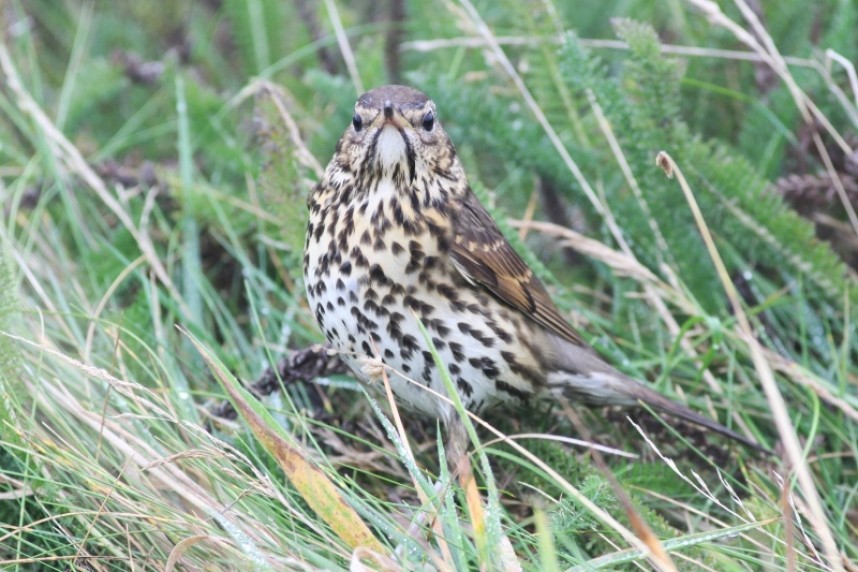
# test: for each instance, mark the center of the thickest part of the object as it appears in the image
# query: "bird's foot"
(372, 367)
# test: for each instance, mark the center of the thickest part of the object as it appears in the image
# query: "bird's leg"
(460, 466)
(457, 449)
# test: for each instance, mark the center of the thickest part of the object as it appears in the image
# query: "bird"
(396, 236)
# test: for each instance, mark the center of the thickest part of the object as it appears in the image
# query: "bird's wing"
(484, 257)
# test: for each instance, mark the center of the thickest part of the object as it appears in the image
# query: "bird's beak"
(390, 115)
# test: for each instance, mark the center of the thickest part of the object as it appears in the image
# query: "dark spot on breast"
(408, 346)
(323, 266)
(349, 222)
(456, 348)
(478, 335)
(438, 325)
(410, 228)
(464, 387)
(499, 332)
(434, 229)
(359, 258)
(364, 323)
(490, 370)
(421, 307)
(530, 374)
(377, 275)
(448, 292)
(511, 390)
(393, 327)
(478, 309)
(415, 249)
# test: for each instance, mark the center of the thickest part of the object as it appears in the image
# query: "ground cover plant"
(682, 175)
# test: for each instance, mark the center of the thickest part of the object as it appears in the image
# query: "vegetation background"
(154, 163)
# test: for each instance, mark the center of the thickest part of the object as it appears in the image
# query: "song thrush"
(396, 235)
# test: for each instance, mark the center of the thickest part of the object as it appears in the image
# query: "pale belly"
(371, 308)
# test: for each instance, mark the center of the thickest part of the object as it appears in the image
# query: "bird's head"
(395, 134)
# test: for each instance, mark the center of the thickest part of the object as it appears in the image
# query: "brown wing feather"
(483, 256)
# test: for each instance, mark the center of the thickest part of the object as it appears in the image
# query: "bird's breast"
(374, 269)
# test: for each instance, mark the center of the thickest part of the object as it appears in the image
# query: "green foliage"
(282, 182)
(10, 382)
(570, 518)
(257, 31)
(103, 449)
(733, 197)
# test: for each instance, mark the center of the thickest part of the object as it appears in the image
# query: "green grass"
(154, 164)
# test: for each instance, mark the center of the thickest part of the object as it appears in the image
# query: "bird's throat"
(391, 148)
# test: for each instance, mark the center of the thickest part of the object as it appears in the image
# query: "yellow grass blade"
(308, 479)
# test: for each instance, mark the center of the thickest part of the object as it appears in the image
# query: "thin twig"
(392, 40)
(345, 47)
(690, 51)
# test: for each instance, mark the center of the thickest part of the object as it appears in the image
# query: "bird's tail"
(643, 394)
(608, 386)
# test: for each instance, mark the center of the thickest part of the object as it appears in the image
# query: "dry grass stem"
(767, 380)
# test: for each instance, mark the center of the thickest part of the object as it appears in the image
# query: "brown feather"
(482, 255)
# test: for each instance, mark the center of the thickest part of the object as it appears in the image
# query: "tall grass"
(154, 162)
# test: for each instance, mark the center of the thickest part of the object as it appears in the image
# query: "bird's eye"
(357, 121)
(428, 121)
